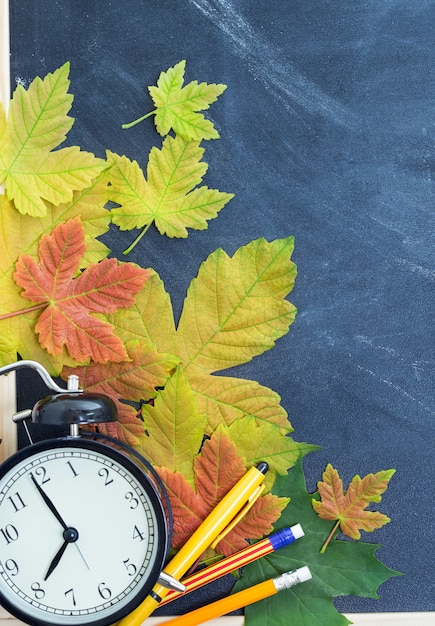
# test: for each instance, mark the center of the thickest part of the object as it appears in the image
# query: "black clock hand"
(70, 535)
(49, 503)
(58, 516)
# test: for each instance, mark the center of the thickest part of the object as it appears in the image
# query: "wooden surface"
(8, 431)
(369, 619)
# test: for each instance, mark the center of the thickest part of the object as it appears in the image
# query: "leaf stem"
(136, 241)
(330, 536)
(6, 316)
(140, 119)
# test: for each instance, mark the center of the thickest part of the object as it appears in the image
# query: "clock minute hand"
(49, 503)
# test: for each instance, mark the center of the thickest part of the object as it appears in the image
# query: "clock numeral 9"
(10, 533)
(104, 591)
(12, 567)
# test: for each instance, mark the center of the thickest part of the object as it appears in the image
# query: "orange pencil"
(242, 598)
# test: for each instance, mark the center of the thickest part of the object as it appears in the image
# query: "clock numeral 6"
(10, 533)
(104, 591)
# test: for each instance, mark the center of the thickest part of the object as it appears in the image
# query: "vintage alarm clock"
(83, 530)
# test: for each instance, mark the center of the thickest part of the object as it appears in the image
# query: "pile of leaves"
(68, 305)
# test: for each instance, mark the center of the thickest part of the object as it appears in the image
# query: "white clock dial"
(82, 534)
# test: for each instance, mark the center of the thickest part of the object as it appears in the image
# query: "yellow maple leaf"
(38, 121)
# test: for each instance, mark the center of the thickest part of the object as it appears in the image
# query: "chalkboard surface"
(327, 134)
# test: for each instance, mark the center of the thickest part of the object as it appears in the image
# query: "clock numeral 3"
(10, 533)
(134, 502)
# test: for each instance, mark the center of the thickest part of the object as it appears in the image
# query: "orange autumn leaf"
(67, 301)
(349, 508)
(217, 469)
(135, 379)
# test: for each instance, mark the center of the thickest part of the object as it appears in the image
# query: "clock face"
(82, 534)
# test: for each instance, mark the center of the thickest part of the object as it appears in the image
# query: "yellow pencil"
(242, 598)
(240, 497)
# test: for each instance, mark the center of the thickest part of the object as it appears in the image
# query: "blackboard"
(326, 134)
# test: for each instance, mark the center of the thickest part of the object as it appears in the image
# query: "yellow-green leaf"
(174, 427)
(177, 106)
(265, 443)
(38, 122)
(236, 309)
(223, 400)
(150, 318)
(168, 198)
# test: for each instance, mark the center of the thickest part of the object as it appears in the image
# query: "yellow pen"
(242, 598)
(242, 494)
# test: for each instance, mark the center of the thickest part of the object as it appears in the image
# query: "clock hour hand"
(70, 535)
(48, 502)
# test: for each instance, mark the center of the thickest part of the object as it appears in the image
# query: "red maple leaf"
(67, 319)
(217, 469)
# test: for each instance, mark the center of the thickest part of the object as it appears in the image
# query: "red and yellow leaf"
(349, 509)
(217, 469)
(68, 302)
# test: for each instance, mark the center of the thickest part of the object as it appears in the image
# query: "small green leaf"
(177, 106)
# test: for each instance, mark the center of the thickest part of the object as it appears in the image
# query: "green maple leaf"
(170, 197)
(347, 567)
(177, 106)
(32, 171)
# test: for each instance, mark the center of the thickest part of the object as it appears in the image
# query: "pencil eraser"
(297, 531)
(304, 574)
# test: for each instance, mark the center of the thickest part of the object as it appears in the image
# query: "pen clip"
(250, 503)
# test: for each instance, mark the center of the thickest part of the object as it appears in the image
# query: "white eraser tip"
(304, 574)
(297, 531)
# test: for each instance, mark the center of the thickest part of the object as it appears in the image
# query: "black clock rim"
(143, 588)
